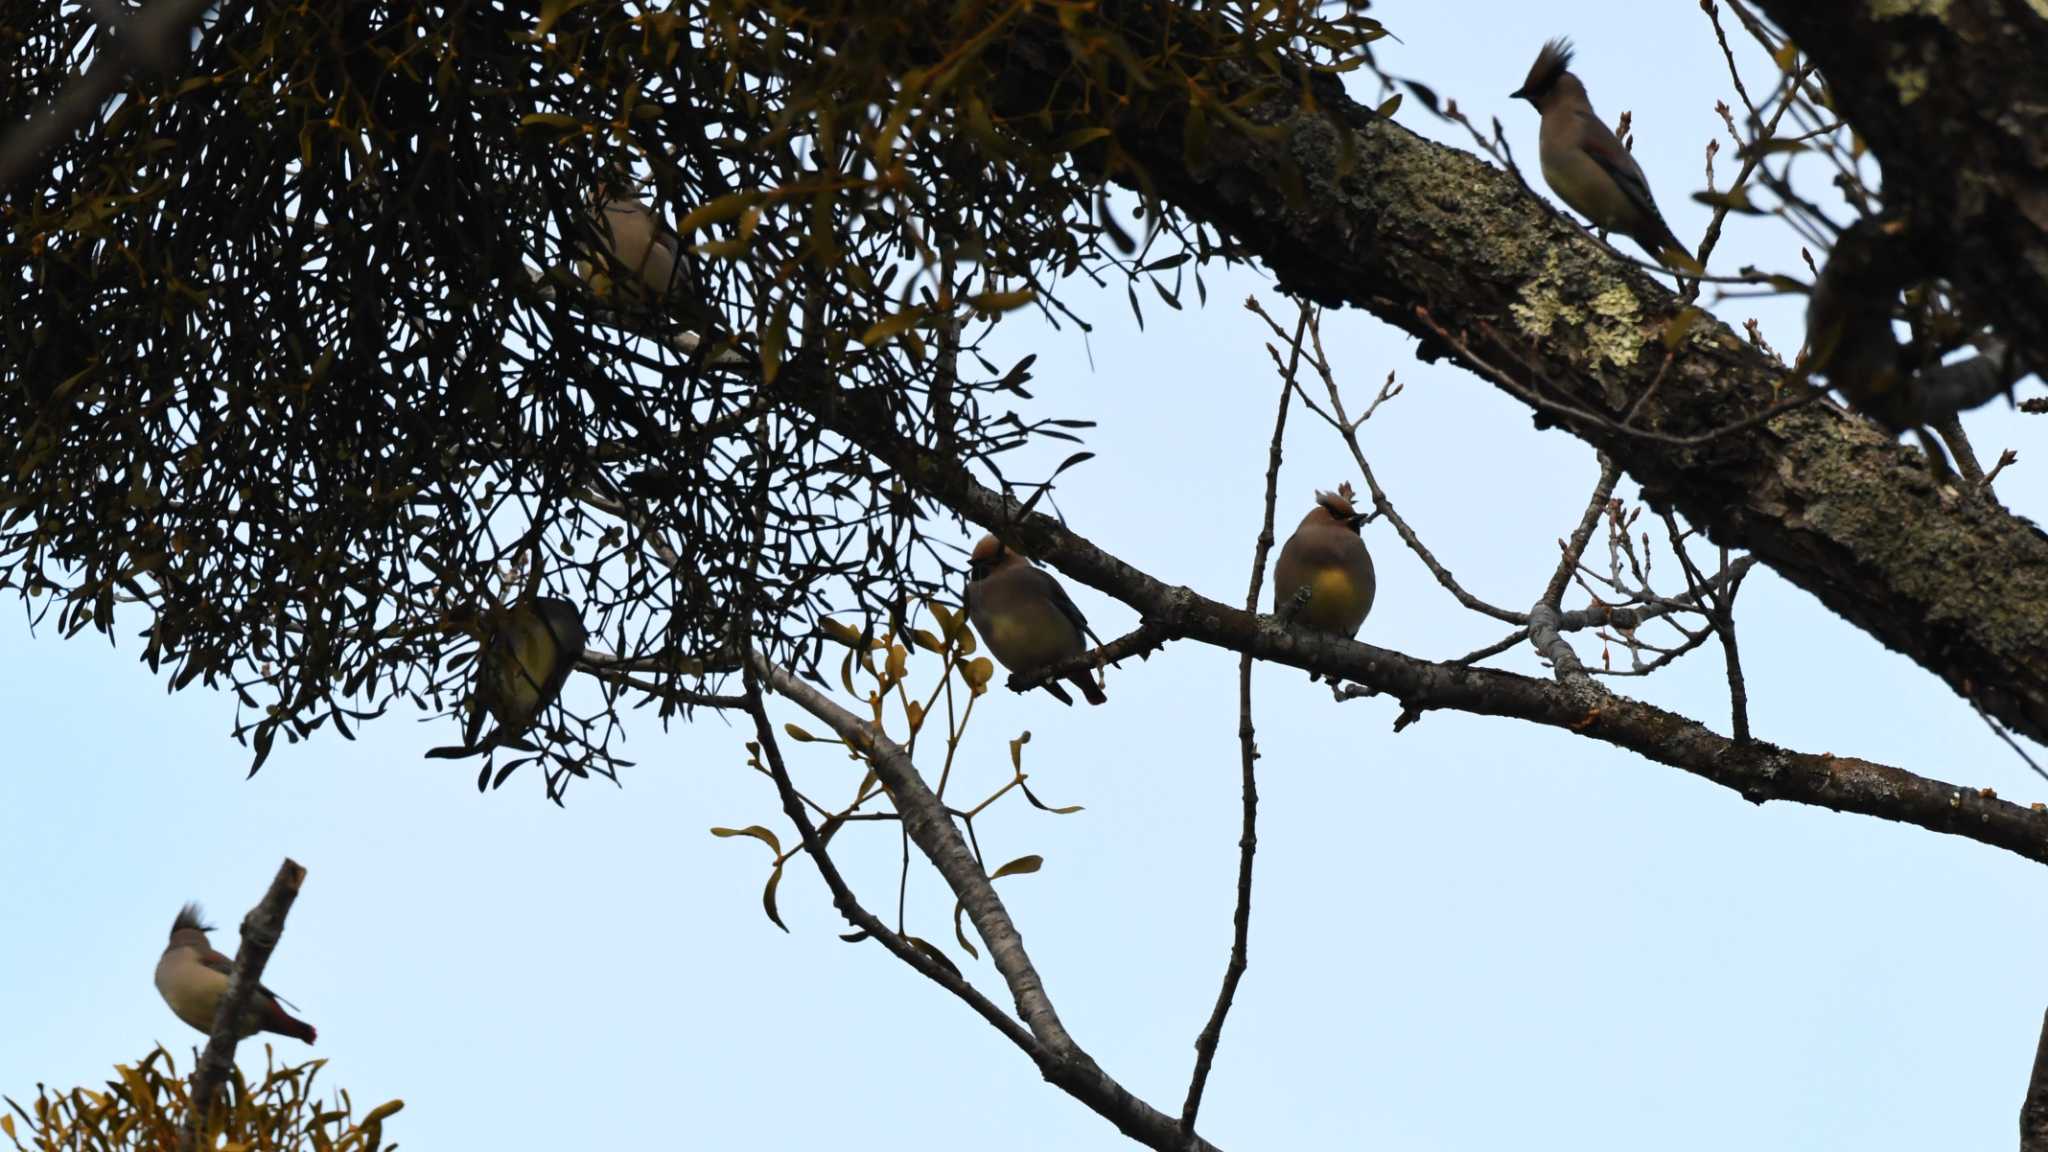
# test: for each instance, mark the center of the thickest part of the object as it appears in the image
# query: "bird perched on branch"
(1025, 617)
(636, 241)
(529, 653)
(192, 977)
(1587, 165)
(1323, 580)
(1851, 341)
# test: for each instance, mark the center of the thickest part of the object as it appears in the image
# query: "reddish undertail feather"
(1088, 687)
(285, 1024)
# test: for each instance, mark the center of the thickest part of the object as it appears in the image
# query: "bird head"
(189, 928)
(988, 552)
(1337, 505)
(1552, 65)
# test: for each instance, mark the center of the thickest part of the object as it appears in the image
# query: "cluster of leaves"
(877, 671)
(145, 1108)
(297, 359)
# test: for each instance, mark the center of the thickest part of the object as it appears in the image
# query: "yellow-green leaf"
(1018, 867)
(997, 303)
(959, 931)
(892, 326)
(756, 831)
(383, 1111)
(1017, 751)
(723, 208)
(937, 957)
(768, 898)
(797, 734)
(978, 672)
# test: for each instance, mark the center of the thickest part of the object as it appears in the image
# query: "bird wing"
(1601, 144)
(226, 967)
(1057, 593)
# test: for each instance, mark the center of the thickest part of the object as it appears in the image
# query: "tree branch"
(1757, 770)
(1248, 755)
(1347, 207)
(1060, 1059)
(2034, 1111)
(261, 929)
(1953, 102)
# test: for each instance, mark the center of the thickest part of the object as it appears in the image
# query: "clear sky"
(1474, 935)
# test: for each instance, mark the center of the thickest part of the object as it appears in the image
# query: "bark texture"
(1952, 99)
(1349, 208)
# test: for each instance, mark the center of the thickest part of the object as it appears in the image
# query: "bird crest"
(1551, 63)
(1339, 503)
(189, 918)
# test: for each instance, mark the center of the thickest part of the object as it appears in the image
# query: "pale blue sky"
(1474, 935)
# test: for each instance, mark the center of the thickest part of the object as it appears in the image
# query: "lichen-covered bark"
(1952, 98)
(1347, 208)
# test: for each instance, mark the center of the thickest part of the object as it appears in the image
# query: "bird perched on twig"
(1587, 165)
(635, 240)
(192, 978)
(531, 649)
(1025, 617)
(1851, 341)
(1323, 580)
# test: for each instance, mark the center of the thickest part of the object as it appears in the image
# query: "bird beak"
(1519, 94)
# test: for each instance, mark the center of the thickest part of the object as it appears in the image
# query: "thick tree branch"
(1759, 771)
(1381, 219)
(1953, 101)
(1060, 1059)
(261, 929)
(2034, 1110)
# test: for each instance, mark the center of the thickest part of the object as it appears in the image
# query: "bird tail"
(285, 1024)
(1089, 688)
(1667, 249)
(1059, 694)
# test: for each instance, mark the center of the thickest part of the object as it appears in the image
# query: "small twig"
(1382, 505)
(1248, 754)
(1949, 426)
(1148, 637)
(1603, 491)
(1999, 731)
(261, 929)
(149, 42)
(2004, 458)
(1596, 420)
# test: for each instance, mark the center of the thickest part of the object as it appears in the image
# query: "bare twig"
(1248, 755)
(1603, 491)
(260, 931)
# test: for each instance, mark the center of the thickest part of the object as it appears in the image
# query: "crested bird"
(1025, 617)
(636, 240)
(529, 653)
(1587, 165)
(192, 977)
(1325, 561)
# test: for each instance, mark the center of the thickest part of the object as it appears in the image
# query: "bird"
(191, 977)
(529, 653)
(1587, 166)
(635, 239)
(1326, 560)
(1849, 336)
(1025, 617)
